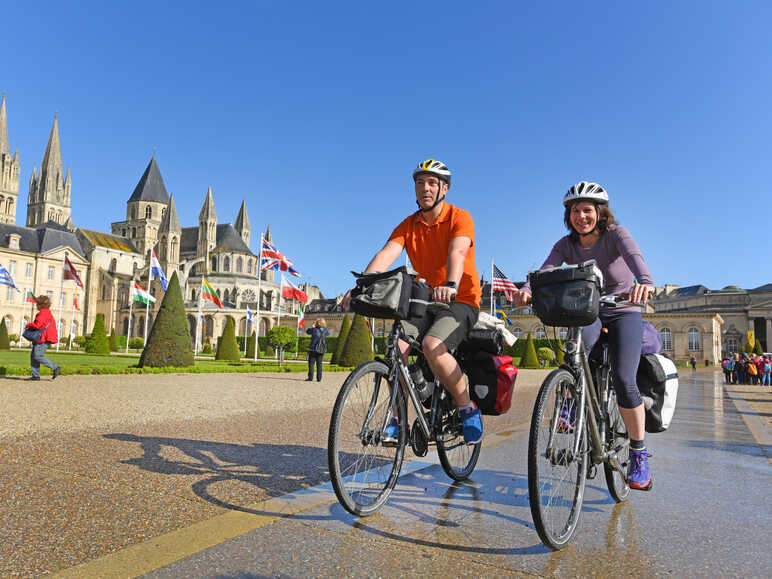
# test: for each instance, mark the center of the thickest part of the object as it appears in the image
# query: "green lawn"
(16, 363)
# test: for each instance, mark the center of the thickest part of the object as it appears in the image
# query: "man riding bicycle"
(439, 240)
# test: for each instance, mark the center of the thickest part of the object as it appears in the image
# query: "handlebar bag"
(491, 381)
(657, 380)
(384, 295)
(567, 296)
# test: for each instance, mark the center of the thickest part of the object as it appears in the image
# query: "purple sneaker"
(638, 473)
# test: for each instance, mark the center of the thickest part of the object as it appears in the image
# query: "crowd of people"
(747, 369)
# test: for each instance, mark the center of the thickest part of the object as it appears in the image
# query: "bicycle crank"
(418, 441)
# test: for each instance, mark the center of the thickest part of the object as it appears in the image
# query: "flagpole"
(72, 319)
(278, 302)
(259, 280)
(131, 308)
(59, 316)
(491, 286)
(149, 280)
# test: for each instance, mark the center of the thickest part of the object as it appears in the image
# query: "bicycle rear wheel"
(556, 476)
(618, 442)
(363, 470)
(458, 459)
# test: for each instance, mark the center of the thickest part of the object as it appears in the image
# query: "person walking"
(727, 370)
(766, 371)
(316, 349)
(693, 363)
(44, 320)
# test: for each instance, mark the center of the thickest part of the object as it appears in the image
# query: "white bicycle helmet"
(434, 167)
(586, 190)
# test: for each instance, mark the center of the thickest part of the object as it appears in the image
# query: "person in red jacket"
(44, 320)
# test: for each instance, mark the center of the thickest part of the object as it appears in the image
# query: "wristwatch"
(451, 284)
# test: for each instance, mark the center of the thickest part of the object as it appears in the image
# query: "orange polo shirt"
(427, 247)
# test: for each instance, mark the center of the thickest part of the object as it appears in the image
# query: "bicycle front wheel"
(457, 458)
(617, 442)
(556, 473)
(363, 469)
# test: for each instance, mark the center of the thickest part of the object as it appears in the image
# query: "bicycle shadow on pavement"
(276, 470)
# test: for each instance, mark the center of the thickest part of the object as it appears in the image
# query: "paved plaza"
(226, 476)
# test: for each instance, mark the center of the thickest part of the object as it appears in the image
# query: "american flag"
(274, 259)
(503, 284)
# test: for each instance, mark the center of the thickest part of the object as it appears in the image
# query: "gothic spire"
(151, 185)
(5, 146)
(242, 220)
(207, 211)
(170, 222)
(268, 237)
(52, 159)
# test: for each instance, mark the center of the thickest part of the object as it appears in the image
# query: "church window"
(249, 266)
(214, 263)
(667, 339)
(239, 265)
(148, 212)
(113, 264)
(123, 232)
(134, 232)
(226, 265)
(173, 248)
(126, 327)
(226, 296)
(193, 295)
(163, 248)
(694, 339)
(133, 213)
(104, 292)
(50, 272)
(28, 271)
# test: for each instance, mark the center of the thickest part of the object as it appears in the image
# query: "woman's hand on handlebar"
(522, 298)
(640, 293)
(444, 294)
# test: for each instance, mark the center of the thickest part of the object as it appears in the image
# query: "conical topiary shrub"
(757, 349)
(345, 327)
(169, 341)
(97, 342)
(113, 341)
(228, 348)
(529, 357)
(359, 347)
(5, 341)
(251, 341)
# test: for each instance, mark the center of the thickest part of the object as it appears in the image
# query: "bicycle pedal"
(592, 471)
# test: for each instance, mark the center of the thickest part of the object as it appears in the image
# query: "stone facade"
(10, 170)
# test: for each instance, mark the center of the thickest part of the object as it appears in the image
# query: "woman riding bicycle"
(595, 235)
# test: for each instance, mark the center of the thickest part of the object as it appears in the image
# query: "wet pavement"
(708, 515)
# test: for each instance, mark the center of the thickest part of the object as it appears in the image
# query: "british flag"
(272, 258)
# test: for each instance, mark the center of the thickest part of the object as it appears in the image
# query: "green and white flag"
(140, 295)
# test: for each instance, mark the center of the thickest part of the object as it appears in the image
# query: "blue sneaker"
(638, 473)
(391, 433)
(471, 422)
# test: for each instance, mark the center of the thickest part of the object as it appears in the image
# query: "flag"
(501, 283)
(30, 297)
(274, 259)
(75, 302)
(140, 295)
(6, 279)
(156, 271)
(209, 293)
(249, 315)
(292, 292)
(301, 317)
(71, 273)
(502, 315)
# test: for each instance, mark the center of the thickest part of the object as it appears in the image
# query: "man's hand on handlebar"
(444, 294)
(522, 298)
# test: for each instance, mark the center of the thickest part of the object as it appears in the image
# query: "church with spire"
(10, 171)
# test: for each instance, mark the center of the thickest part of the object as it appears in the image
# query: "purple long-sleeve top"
(617, 255)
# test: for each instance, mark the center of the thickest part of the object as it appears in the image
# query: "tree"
(251, 342)
(747, 348)
(280, 337)
(345, 327)
(5, 341)
(169, 341)
(757, 349)
(97, 342)
(358, 346)
(530, 360)
(113, 341)
(228, 349)
(137, 343)
(545, 355)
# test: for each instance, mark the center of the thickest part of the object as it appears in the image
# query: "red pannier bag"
(491, 381)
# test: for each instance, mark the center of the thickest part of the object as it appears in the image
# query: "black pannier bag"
(490, 341)
(491, 381)
(389, 295)
(567, 296)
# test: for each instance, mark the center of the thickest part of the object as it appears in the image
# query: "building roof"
(109, 241)
(170, 221)
(763, 288)
(228, 239)
(151, 186)
(42, 239)
(688, 291)
(322, 306)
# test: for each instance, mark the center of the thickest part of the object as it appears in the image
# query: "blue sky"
(316, 113)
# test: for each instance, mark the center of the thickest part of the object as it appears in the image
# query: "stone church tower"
(9, 172)
(145, 210)
(49, 191)
(242, 223)
(207, 228)
(169, 238)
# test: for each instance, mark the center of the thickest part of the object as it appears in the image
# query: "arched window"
(249, 266)
(226, 296)
(540, 333)
(113, 264)
(126, 327)
(214, 263)
(133, 213)
(239, 265)
(173, 249)
(104, 292)
(694, 339)
(134, 232)
(517, 332)
(193, 295)
(667, 339)
(226, 264)
(148, 212)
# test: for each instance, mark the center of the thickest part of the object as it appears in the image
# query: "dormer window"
(13, 241)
